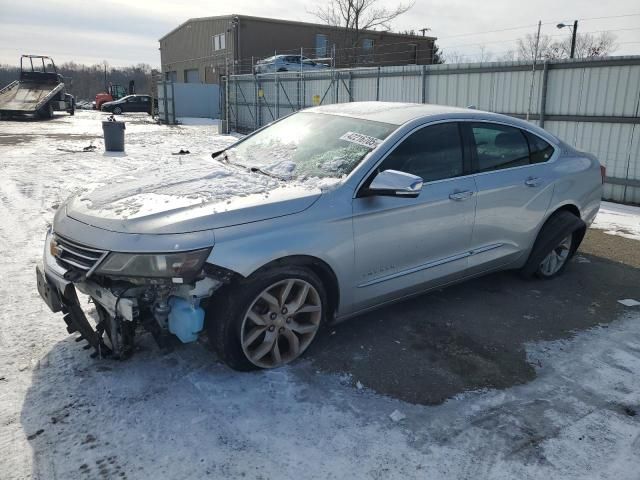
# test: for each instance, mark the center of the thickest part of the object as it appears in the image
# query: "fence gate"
(166, 104)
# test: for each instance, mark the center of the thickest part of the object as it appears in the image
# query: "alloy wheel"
(556, 258)
(281, 322)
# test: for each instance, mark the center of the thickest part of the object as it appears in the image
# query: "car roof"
(389, 112)
(398, 113)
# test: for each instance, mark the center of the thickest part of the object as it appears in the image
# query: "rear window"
(499, 146)
(539, 149)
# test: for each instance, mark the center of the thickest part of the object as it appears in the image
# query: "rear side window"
(540, 150)
(499, 146)
(432, 153)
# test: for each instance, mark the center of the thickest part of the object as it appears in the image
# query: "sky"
(126, 32)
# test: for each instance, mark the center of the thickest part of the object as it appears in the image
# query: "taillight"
(603, 173)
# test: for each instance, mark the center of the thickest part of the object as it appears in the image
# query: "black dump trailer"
(40, 91)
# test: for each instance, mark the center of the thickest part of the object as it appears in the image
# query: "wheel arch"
(581, 230)
(569, 207)
(574, 210)
(318, 266)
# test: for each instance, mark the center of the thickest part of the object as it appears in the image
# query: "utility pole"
(573, 38)
(424, 31)
(533, 69)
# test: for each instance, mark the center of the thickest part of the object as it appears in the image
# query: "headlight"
(179, 264)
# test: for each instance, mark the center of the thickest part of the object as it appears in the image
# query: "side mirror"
(395, 184)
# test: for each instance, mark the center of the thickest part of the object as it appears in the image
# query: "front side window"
(310, 145)
(499, 146)
(432, 153)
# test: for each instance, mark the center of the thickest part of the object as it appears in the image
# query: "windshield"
(310, 145)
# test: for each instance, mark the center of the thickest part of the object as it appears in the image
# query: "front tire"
(117, 110)
(268, 319)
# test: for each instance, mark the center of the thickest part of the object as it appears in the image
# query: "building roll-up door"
(192, 76)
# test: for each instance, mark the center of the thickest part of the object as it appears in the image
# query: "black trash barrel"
(113, 136)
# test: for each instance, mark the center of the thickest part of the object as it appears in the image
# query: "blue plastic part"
(185, 319)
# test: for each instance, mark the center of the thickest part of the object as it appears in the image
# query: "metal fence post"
(423, 79)
(255, 98)
(350, 86)
(173, 104)
(166, 103)
(378, 85)
(337, 86)
(304, 91)
(543, 93)
(225, 126)
(259, 103)
(235, 105)
(277, 79)
(629, 151)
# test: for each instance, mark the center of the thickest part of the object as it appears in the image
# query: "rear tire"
(557, 242)
(248, 332)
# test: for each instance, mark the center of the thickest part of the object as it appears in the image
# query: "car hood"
(192, 199)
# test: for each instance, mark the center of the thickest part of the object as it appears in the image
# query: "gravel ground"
(612, 247)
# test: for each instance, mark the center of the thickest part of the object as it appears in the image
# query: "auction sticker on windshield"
(361, 139)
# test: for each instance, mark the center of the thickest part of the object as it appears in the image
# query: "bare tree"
(453, 56)
(358, 15)
(508, 56)
(547, 48)
(484, 55)
(436, 55)
(587, 45)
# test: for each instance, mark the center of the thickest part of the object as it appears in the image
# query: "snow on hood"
(196, 197)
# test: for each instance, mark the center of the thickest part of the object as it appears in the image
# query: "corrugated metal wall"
(591, 104)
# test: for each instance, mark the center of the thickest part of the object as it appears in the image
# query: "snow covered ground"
(615, 219)
(183, 415)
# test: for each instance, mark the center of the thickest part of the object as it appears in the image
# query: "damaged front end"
(163, 293)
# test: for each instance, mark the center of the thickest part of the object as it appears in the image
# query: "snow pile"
(616, 219)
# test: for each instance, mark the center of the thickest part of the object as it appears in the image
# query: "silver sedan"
(320, 216)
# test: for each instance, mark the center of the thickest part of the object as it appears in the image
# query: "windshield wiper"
(264, 172)
(217, 153)
(226, 161)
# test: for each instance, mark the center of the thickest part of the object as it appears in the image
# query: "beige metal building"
(201, 50)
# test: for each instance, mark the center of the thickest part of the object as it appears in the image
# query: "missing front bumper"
(66, 301)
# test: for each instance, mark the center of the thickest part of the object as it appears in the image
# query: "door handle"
(459, 196)
(533, 181)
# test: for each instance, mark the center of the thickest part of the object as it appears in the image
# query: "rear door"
(139, 104)
(404, 245)
(145, 104)
(514, 191)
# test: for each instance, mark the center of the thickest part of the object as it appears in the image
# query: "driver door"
(405, 245)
